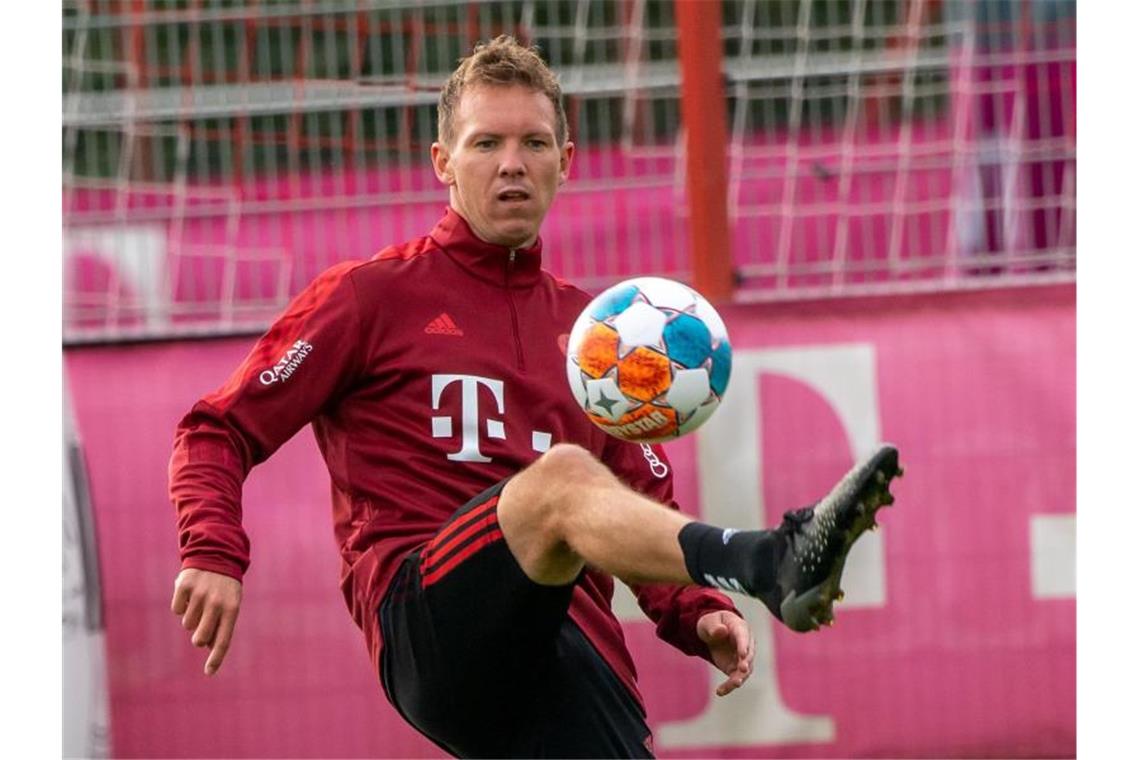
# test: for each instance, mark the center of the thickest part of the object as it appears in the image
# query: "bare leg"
(568, 510)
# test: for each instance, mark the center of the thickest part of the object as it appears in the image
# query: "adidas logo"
(443, 325)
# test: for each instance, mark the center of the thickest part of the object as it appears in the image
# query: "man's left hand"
(730, 642)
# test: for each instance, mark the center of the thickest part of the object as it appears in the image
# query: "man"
(481, 517)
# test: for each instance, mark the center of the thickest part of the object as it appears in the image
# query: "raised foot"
(813, 568)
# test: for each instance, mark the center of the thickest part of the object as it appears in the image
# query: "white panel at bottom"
(1053, 555)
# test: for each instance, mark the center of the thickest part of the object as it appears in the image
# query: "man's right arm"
(207, 469)
(309, 355)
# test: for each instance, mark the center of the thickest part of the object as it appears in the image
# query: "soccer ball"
(648, 360)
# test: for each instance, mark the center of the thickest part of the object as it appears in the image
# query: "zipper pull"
(510, 267)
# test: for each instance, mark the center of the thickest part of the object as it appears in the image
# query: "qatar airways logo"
(287, 364)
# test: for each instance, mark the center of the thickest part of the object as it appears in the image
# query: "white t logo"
(441, 427)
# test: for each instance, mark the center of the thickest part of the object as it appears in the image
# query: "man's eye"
(538, 144)
(483, 144)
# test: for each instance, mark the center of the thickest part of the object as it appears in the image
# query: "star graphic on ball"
(605, 402)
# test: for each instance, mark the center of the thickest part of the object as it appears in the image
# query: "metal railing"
(217, 156)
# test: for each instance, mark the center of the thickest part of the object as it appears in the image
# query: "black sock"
(743, 561)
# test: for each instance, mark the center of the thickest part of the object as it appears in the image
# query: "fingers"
(736, 678)
(731, 646)
(221, 641)
(193, 613)
(204, 633)
(741, 637)
(734, 681)
(181, 597)
(208, 603)
(745, 646)
(214, 630)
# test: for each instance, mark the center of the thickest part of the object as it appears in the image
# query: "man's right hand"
(208, 603)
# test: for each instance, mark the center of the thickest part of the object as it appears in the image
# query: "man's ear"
(565, 158)
(441, 162)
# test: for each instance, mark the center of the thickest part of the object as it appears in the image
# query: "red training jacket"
(429, 373)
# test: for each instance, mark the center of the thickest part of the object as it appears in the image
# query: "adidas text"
(443, 325)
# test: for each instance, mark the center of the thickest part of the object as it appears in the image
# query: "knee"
(550, 488)
(567, 465)
(540, 507)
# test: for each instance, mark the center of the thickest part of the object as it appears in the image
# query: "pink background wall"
(978, 391)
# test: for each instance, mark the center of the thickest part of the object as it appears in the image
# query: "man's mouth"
(513, 195)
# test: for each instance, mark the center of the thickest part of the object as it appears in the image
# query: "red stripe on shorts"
(438, 572)
(457, 540)
(452, 534)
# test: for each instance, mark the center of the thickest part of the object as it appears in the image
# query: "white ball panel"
(577, 387)
(699, 417)
(605, 399)
(689, 390)
(665, 293)
(640, 325)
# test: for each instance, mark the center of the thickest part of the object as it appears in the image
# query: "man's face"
(504, 164)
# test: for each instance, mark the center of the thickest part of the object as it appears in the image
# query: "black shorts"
(487, 663)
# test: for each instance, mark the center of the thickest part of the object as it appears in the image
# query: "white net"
(218, 155)
(886, 147)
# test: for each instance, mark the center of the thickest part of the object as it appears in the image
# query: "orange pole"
(706, 147)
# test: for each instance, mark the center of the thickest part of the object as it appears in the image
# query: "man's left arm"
(698, 621)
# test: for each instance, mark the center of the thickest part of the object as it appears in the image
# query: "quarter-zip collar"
(485, 260)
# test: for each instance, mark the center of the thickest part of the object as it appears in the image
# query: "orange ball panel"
(644, 374)
(598, 351)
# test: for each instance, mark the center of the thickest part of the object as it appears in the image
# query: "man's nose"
(511, 162)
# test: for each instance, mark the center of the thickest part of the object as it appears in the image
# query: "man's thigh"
(465, 634)
(584, 709)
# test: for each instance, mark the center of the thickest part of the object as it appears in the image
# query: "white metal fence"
(218, 155)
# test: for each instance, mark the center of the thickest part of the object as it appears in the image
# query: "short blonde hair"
(501, 62)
